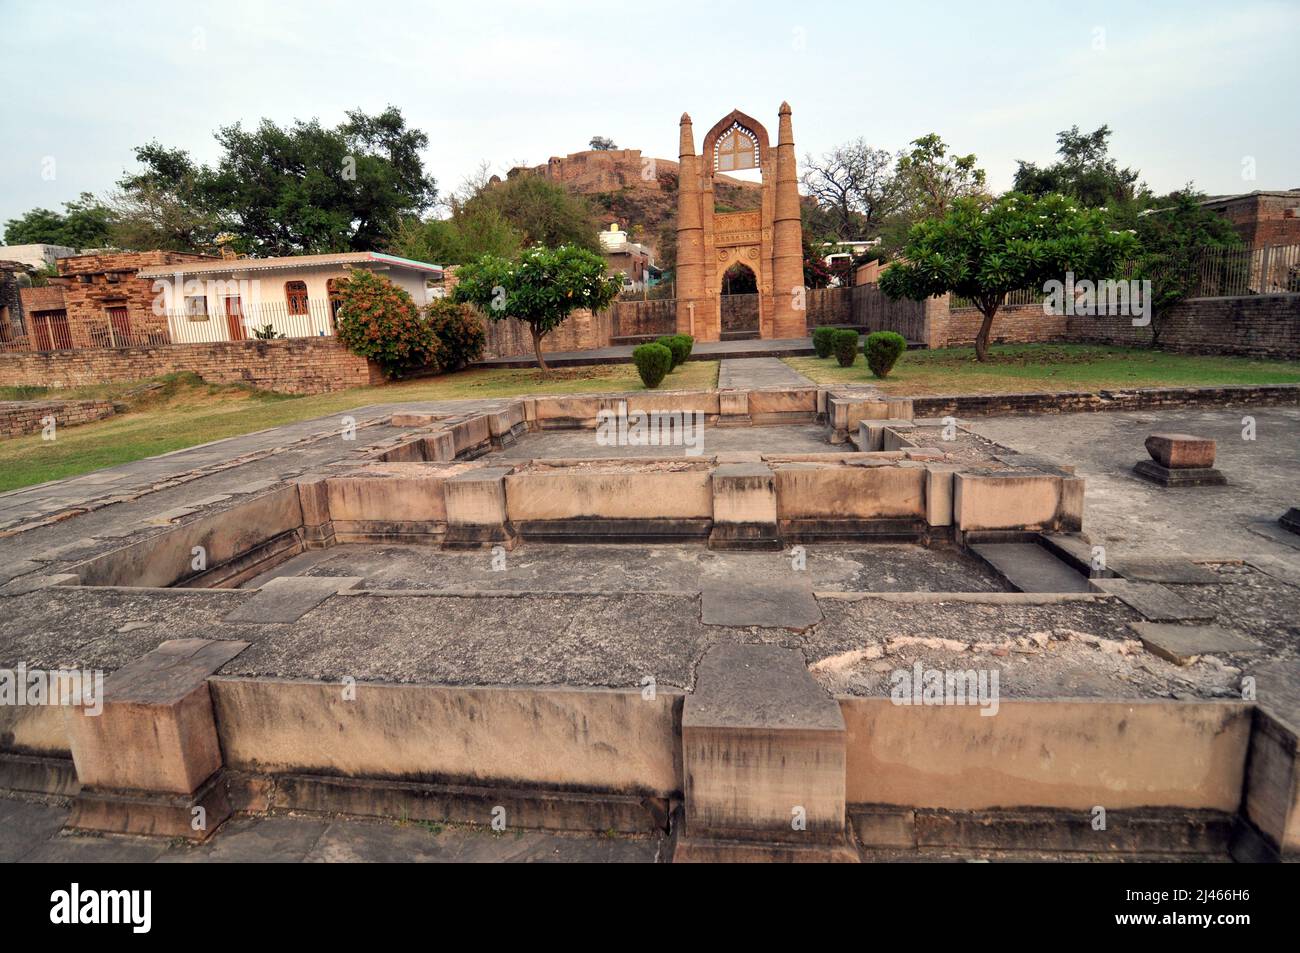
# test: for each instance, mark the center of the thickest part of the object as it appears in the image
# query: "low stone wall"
(290, 365)
(978, 405)
(20, 417)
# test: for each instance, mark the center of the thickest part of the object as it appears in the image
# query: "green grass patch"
(1015, 368)
(181, 410)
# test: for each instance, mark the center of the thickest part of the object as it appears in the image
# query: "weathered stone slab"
(763, 602)
(1028, 567)
(1156, 569)
(1181, 451)
(1154, 602)
(1181, 643)
(26, 584)
(762, 745)
(744, 507)
(289, 598)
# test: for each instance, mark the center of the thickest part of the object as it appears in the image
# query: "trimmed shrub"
(690, 343)
(461, 333)
(379, 321)
(823, 341)
(882, 350)
(653, 362)
(846, 347)
(678, 345)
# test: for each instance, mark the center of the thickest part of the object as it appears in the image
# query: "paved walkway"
(752, 372)
(622, 354)
(31, 832)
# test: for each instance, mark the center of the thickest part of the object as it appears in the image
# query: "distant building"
(839, 256)
(630, 259)
(120, 299)
(35, 257)
(1260, 218)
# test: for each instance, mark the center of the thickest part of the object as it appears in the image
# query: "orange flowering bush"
(378, 320)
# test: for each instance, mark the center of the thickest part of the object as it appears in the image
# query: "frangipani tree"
(985, 251)
(542, 287)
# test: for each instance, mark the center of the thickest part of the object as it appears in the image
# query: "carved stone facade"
(768, 241)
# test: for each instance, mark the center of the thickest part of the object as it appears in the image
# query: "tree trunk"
(989, 309)
(537, 348)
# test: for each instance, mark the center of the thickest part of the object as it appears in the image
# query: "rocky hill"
(639, 192)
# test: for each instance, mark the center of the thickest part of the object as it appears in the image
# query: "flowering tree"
(542, 287)
(983, 252)
(379, 321)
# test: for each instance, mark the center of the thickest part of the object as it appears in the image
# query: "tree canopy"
(984, 252)
(1085, 171)
(542, 287)
(83, 223)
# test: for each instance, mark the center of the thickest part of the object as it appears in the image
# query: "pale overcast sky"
(1194, 91)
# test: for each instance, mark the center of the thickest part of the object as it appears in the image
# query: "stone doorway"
(740, 303)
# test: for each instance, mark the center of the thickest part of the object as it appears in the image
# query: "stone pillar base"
(193, 816)
(1181, 476)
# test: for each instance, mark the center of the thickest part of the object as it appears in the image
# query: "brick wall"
(19, 417)
(290, 365)
(1259, 326)
(1018, 324)
(583, 331)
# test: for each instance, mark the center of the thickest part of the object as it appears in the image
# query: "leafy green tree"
(928, 180)
(541, 212)
(602, 143)
(542, 287)
(459, 239)
(1172, 231)
(1085, 171)
(162, 205)
(84, 223)
(985, 252)
(307, 188)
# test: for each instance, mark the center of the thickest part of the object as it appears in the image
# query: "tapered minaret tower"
(789, 319)
(690, 232)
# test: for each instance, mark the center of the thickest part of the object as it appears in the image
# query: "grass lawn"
(179, 411)
(1019, 368)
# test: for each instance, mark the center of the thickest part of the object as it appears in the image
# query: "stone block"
(1182, 643)
(899, 408)
(1180, 451)
(998, 499)
(762, 748)
(476, 509)
(1272, 798)
(287, 599)
(733, 408)
(744, 507)
(317, 527)
(938, 493)
(150, 757)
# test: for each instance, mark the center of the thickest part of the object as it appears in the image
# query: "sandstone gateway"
(767, 241)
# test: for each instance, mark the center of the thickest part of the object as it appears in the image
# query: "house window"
(196, 307)
(296, 294)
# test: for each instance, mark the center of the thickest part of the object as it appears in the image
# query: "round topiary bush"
(823, 341)
(680, 348)
(653, 362)
(690, 343)
(461, 333)
(379, 321)
(882, 351)
(845, 347)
